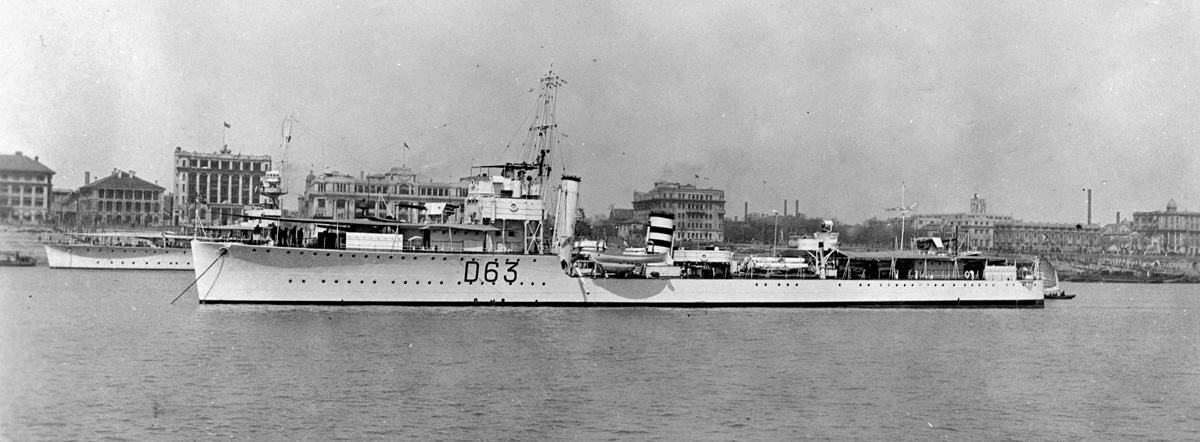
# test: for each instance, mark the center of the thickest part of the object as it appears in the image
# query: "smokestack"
(784, 207)
(660, 235)
(566, 211)
(746, 215)
(87, 178)
(1118, 218)
(797, 211)
(1089, 219)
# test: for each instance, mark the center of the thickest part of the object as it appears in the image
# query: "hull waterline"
(236, 273)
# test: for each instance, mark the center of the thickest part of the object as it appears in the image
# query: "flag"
(227, 126)
(406, 145)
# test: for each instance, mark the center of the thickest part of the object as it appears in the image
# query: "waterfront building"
(975, 230)
(397, 193)
(25, 187)
(623, 227)
(699, 213)
(980, 230)
(1031, 237)
(213, 186)
(119, 199)
(64, 206)
(1169, 231)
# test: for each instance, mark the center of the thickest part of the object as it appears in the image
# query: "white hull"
(235, 273)
(85, 256)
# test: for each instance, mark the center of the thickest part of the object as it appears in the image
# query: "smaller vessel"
(16, 259)
(1050, 287)
(121, 250)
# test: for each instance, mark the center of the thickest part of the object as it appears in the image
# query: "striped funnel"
(661, 233)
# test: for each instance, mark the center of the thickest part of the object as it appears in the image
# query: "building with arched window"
(120, 199)
(1169, 231)
(25, 185)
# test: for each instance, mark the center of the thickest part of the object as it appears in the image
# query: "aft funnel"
(661, 233)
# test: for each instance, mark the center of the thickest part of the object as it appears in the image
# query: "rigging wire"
(418, 134)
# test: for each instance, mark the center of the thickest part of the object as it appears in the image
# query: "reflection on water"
(94, 354)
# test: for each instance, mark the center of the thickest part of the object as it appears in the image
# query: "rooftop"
(120, 179)
(21, 163)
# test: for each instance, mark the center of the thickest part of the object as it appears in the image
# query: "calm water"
(94, 355)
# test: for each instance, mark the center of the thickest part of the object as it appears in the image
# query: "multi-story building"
(64, 205)
(213, 186)
(1031, 237)
(975, 230)
(699, 213)
(979, 230)
(1169, 231)
(25, 185)
(396, 193)
(119, 199)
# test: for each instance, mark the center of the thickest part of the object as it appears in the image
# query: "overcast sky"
(829, 103)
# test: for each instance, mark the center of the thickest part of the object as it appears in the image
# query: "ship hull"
(235, 273)
(85, 256)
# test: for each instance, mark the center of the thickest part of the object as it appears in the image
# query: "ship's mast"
(273, 187)
(542, 134)
(539, 145)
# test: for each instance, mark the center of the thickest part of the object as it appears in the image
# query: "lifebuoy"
(969, 274)
(704, 257)
(513, 207)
